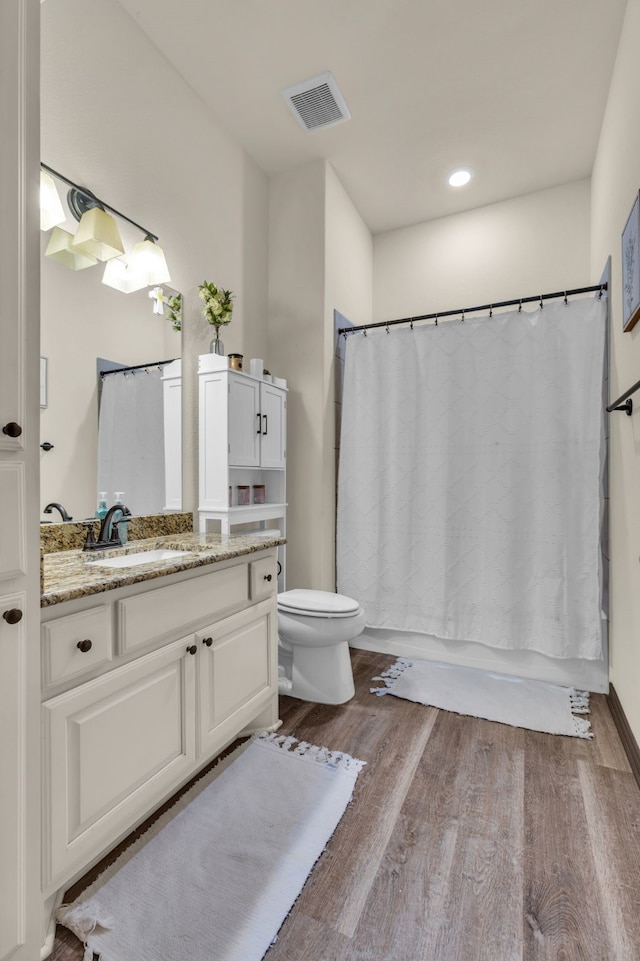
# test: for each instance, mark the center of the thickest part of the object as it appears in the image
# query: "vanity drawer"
(263, 578)
(159, 614)
(75, 644)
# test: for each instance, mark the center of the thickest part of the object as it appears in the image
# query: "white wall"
(319, 259)
(119, 120)
(615, 184)
(533, 244)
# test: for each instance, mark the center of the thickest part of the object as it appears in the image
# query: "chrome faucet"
(105, 539)
(63, 514)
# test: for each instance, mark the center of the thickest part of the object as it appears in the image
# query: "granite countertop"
(67, 575)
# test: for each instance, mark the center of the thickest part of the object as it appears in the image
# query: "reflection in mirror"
(139, 435)
(82, 320)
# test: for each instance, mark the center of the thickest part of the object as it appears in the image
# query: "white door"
(19, 486)
(244, 422)
(273, 415)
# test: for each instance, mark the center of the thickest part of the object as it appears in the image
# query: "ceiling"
(514, 89)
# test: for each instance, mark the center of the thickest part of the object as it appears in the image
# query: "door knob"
(12, 429)
(192, 649)
(14, 616)
(84, 646)
(268, 577)
(208, 641)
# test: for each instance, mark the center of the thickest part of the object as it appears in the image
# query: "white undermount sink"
(141, 557)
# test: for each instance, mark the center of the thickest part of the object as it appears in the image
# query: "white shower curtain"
(131, 440)
(469, 494)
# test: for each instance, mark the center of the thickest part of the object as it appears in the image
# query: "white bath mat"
(517, 701)
(217, 879)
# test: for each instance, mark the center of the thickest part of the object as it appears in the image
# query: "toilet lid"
(318, 603)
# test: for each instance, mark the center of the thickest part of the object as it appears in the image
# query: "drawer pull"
(208, 641)
(84, 646)
(14, 616)
(268, 577)
(192, 649)
(12, 429)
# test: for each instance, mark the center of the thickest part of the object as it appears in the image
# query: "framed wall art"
(631, 268)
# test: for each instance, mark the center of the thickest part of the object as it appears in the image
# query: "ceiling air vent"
(317, 102)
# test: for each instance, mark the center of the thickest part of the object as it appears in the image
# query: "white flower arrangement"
(218, 304)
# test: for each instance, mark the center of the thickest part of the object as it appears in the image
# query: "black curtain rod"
(122, 370)
(628, 406)
(469, 310)
(100, 203)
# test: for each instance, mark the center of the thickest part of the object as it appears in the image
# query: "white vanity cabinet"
(192, 663)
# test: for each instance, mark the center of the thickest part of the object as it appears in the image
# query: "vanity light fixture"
(98, 238)
(148, 261)
(97, 235)
(60, 248)
(459, 178)
(51, 209)
(120, 275)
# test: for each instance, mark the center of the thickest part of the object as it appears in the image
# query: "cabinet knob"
(192, 649)
(84, 646)
(12, 429)
(268, 577)
(208, 641)
(14, 616)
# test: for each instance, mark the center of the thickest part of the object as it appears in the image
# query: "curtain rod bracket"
(628, 406)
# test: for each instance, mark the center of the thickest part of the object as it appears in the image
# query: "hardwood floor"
(465, 840)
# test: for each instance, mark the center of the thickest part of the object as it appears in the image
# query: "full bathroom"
(272, 629)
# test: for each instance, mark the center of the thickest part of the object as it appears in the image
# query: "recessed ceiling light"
(459, 178)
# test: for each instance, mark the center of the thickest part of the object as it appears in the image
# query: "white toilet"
(314, 630)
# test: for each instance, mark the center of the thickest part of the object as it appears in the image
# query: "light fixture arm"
(99, 203)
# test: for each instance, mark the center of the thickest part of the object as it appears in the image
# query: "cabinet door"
(114, 747)
(237, 674)
(244, 422)
(273, 436)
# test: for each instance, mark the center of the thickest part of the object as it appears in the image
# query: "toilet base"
(322, 674)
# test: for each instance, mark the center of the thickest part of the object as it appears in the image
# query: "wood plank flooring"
(465, 840)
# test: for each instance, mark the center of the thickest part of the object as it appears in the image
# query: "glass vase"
(216, 346)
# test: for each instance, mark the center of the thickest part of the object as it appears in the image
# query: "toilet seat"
(317, 604)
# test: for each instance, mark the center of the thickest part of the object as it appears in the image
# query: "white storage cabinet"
(243, 442)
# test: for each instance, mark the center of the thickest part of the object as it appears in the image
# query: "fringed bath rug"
(216, 876)
(517, 701)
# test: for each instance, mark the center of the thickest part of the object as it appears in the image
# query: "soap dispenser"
(119, 516)
(101, 512)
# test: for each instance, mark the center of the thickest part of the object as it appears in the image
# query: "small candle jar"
(235, 361)
(259, 494)
(243, 494)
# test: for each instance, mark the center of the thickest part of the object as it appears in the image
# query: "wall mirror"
(87, 326)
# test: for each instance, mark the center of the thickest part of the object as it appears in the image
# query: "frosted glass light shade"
(97, 235)
(148, 261)
(122, 276)
(51, 209)
(60, 248)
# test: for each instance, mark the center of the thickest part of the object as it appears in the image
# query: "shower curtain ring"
(520, 308)
(411, 324)
(541, 304)
(491, 310)
(600, 294)
(566, 302)
(462, 317)
(387, 328)
(436, 320)
(365, 330)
